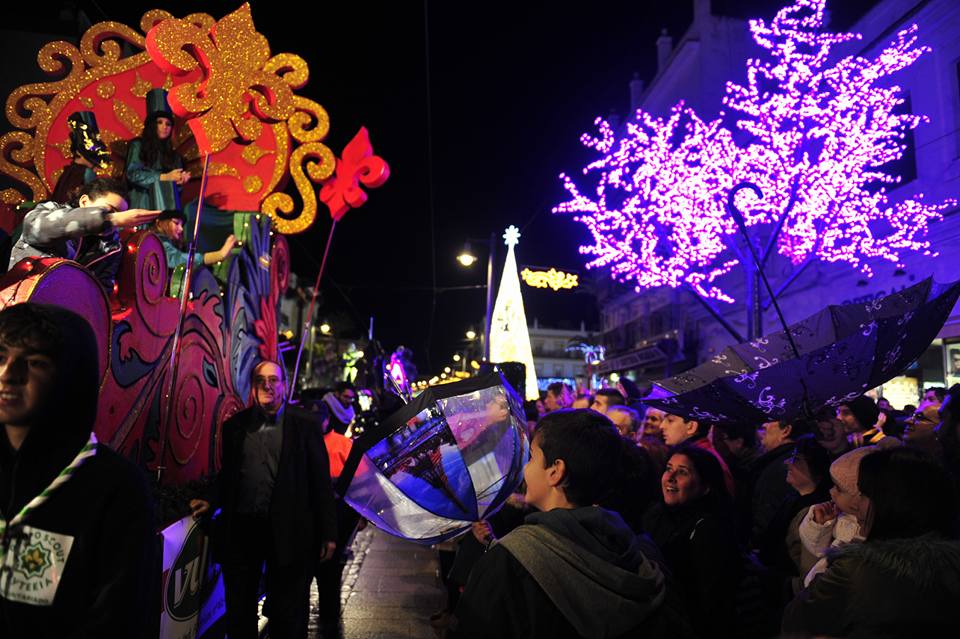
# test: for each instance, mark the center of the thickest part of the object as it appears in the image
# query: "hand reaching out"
(132, 217)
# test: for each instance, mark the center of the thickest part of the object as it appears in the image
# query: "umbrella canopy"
(449, 458)
(841, 352)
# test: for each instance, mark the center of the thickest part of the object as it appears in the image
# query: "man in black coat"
(770, 487)
(78, 549)
(276, 505)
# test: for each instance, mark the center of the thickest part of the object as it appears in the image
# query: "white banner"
(192, 584)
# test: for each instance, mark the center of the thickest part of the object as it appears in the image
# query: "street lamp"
(325, 328)
(456, 357)
(471, 334)
(467, 259)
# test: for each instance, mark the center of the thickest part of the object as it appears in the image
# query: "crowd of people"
(637, 522)
(630, 520)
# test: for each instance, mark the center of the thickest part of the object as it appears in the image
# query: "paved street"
(390, 588)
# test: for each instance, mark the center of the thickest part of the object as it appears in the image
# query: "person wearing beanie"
(835, 522)
(859, 418)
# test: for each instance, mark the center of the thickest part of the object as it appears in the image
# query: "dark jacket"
(302, 509)
(105, 507)
(700, 546)
(567, 570)
(770, 488)
(882, 589)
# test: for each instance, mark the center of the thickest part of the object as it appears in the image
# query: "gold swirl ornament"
(233, 58)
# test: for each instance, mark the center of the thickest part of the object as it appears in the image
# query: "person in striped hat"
(77, 539)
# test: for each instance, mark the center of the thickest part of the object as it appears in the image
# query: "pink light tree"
(809, 133)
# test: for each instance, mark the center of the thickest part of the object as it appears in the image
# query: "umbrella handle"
(741, 224)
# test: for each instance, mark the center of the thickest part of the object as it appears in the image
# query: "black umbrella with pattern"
(840, 353)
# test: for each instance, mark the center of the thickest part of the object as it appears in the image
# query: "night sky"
(477, 107)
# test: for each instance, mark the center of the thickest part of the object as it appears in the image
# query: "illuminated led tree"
(509, 338)
(813, 131)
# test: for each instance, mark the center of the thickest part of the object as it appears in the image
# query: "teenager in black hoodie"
(78, 547)
(574, 569)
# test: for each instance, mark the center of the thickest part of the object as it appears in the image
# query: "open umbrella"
(831, 357)
(449, 458)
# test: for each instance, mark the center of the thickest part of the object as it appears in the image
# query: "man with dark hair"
(605, 398)
(582, 400)
(83, 230)
(558, 397)
(340, 402)
(77, 539)
(736, 443)
(934, 395)
(277, 506)
(573, 569)
(859, 417)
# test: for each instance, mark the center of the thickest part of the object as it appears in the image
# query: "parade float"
(175, 367)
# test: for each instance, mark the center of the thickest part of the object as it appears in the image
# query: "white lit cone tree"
(509, 338)
(810, 130)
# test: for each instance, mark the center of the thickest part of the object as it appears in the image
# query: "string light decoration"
(553, 279)
(815, 133)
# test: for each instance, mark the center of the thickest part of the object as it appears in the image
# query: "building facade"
(656, 333)
(555, 360)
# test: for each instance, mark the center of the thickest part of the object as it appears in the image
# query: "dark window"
(906, 166)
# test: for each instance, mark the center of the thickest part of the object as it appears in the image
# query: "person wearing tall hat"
(87, 153)
(154, 170)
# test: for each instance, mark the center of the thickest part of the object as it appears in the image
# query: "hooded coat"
(104, 508)
(569, 573)
(882, 589)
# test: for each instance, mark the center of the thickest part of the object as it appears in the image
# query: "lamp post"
(468, 259)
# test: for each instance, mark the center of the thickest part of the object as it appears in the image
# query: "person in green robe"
(154, 170)
(168, 228)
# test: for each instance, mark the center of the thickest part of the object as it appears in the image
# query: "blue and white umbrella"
(449, 458)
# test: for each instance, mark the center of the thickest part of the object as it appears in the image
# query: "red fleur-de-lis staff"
(342, 192)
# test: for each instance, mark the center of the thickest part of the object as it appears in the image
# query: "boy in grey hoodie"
(573, 569)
